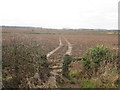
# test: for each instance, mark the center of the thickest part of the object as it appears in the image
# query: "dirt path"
(52, 79)
(53, 51)
(68, 52)
(58, 55)
(56, 70)
(57, 67)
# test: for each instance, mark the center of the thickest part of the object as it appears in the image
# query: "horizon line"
(21, 26)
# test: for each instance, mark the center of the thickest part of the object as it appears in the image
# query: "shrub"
(43, 58)
(21, 62)
(66, 61)
(43, 61)
(95, 55)
(74, 73)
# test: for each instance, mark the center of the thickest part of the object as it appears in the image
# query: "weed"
(87, 84)
(74, 74)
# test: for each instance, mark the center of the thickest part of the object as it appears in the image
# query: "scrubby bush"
(95, 55)
(21, 62)
(66, 61)
(74, 73)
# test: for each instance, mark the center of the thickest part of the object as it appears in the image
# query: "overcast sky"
(100, 14)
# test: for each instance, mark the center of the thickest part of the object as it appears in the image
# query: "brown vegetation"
(25, 64)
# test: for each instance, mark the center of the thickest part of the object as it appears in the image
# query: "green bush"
(95, 55)
(66, 61)
(74, 73)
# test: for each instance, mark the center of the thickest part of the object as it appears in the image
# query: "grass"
(74, 74)
(88, 84)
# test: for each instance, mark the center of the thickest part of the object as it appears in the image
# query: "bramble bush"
(95, 55)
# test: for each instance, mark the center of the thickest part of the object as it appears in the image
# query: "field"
(24, 48)
(83, 42)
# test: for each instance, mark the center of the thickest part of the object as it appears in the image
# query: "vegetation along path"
(57, 67)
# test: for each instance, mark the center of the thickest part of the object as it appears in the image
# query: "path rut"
(53, 51)
(56, 72)
(68, 52)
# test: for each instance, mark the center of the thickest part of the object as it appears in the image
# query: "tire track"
(59, 53)
(53, 51)
(68, 52)
(56, 72)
